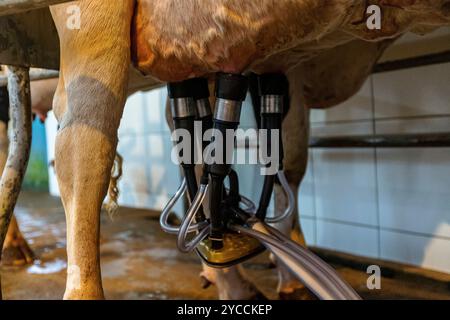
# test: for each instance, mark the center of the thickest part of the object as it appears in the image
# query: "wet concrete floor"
(139, 261)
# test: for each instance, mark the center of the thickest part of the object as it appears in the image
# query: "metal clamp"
(182, 243)
(250, 205)
(164, 217)
(291, 200)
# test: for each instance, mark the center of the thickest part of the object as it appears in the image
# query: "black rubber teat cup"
(231, 86)
(272, 89)
(199, 88)
(184, 113)
(181, 100)
(200, 93)
(273, 84)
(230, 91)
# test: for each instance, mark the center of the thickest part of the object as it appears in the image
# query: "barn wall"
(149, 175)
(388, 203)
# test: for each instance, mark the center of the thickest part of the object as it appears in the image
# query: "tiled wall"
(150, 178)
(392, 204)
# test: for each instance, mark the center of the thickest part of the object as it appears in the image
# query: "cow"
(171, 40)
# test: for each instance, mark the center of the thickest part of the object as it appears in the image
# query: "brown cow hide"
(175, 40)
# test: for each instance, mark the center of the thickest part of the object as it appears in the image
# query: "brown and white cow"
(173, 40)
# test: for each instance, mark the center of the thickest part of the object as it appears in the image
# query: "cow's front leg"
(295, 141)
(88, 105)
(84, 157)
(85, 150)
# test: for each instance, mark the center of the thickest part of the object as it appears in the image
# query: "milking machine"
(229, 228)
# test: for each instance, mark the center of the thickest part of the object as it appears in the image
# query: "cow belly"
(174, 40)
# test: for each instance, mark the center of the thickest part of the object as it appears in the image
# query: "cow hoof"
(297, 294)
(17, 253)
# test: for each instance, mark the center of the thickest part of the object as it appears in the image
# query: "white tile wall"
(414, 183)
(420, 125)
(413, 92)
(306, 201)
(387, 203)
(414, 189)
(132, 123)
(427, 251)
(345, 185)
(345, 181)
(349, 238)
(51, 126)
(308, 226)
(149, 177)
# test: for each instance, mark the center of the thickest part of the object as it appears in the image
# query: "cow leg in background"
(15, 249)
(19, 151)
(89, 104)
(231, 283)
(295, 142)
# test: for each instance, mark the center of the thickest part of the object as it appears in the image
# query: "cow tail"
(111, 205)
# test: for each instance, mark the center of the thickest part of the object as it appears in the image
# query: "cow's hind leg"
(232, 283)
(16, 251)
(289, 287)
(89, 104)
(295, 141)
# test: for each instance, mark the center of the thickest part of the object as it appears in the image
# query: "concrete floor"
(139, 261)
